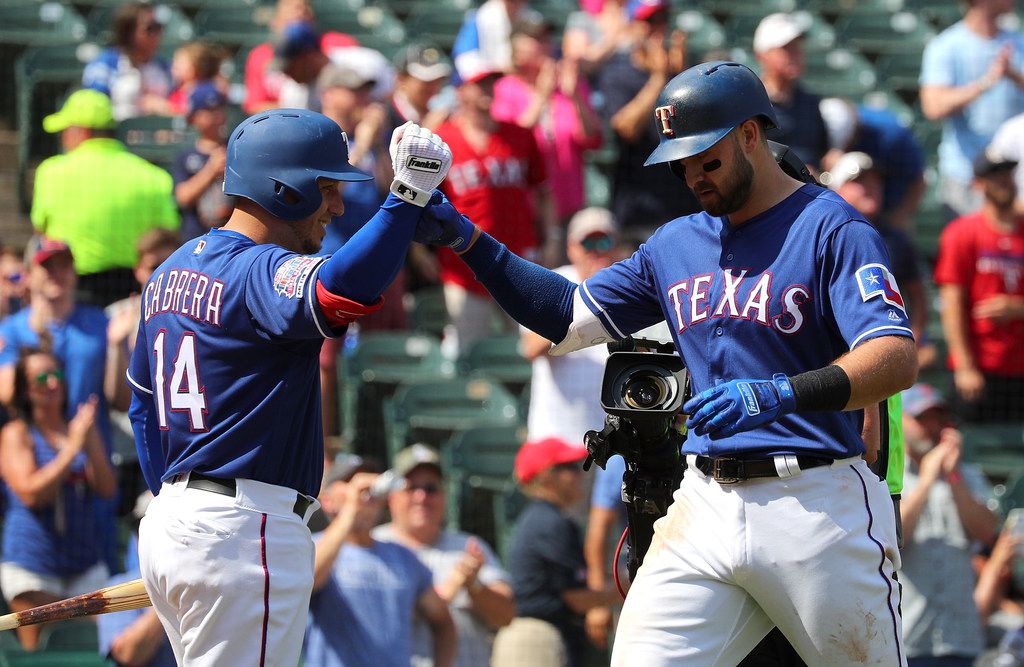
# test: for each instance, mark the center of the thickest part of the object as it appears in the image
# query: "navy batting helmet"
(275, 158)
(701, 105)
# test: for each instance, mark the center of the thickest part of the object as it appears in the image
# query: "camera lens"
(645, 391)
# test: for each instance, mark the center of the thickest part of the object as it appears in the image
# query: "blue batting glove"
(442, 224)
(739, 405)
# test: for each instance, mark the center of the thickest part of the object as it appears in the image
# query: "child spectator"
(199, 170)
(192, 64)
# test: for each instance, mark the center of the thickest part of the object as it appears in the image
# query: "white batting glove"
(421, 160)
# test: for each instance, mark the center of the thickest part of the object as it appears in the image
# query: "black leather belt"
(227, 487)
(727, 470)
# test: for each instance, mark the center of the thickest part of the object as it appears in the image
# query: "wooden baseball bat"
(129, 595)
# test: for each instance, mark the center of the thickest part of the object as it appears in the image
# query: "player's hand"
(421, 160)
(739, 405)
(442, 224)
(970, 383)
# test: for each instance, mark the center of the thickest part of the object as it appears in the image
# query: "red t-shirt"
(985, 262)
(494, 190)
(262, 85)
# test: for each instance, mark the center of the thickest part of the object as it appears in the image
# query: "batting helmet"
(701, 105)
(275, 158)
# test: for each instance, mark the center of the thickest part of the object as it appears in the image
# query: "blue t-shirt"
(80, 344)
(893, 149)
(546, 559)
(363, 616)
(213, 206)
(61, 539)
(788, 291)
(607, 491)
(959, 56)
(801, 126)
(228, 357)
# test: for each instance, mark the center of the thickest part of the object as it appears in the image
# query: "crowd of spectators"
(523, 109)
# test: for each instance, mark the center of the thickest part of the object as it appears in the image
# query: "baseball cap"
(334, 75)
(591, 220)
(297, 38)
(415, 456)
(841, 121)
(777, 30)
(205, 95)
(990, 162)
(922, 397)
(83, 108)
(641, 10)
(423, 62)
(346, 465)
(538, 455)
(41, 248)
(471, 67)
(849, 167)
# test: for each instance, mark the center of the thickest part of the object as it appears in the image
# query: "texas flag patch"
(876, 280)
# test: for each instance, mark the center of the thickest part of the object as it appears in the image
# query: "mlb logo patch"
(199, 247)
(290, 278)
(875, 280)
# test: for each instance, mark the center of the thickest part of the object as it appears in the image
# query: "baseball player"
(785, 311)
(226, 408)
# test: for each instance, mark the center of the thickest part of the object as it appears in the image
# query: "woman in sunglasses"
(55, 470)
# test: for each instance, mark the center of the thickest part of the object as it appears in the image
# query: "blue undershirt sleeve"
(537, 298)
(369, 261)
(142, 413)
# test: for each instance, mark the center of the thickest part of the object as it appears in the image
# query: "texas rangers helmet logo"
(875, 280)
(664, 114)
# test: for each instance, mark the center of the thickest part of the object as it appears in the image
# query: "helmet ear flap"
(285, 194)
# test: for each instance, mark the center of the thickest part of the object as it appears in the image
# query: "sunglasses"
(597, 243)
(153, 28)
(428, 488)
(570, 467)
(44, 377)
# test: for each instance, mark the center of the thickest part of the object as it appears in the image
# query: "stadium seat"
(73, 635)
(818, 36)
(884, 33)
(498, 358)
(432, 411)
(436, 25)
(885, 99)
(997, 447)
(31, 23)
(703, 32)
(159, 139)
(428, 314)
(177, 28)
(741, 7)
(900, 72)
(839, 72)
(833, 8)
(239, 27)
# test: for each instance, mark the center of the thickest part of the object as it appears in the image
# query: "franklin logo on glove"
(423, 164)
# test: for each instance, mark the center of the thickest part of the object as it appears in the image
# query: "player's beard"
(735, 191)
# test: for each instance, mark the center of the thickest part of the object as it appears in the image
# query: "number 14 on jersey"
(185, 393)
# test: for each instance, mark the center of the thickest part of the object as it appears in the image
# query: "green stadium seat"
(30, 23)
(177, 27)
(498, 358)
(997, 447)
(839, 72)
(428, 314)
(818, 36)
(436, 25)
(54, 659)
(703, 32)
(746, 7)
(834, 8)
(240, 27)
(73, 635)
(158, 139)
(884, 33)
(432, 411)
(900, 71)
(884, 99)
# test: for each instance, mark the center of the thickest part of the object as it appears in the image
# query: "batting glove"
(739, 405)
(421, 160)
(442, 224)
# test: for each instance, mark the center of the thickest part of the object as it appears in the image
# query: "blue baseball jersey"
(788, 291)
(228, 355)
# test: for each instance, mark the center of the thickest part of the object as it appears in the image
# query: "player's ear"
(750, 134)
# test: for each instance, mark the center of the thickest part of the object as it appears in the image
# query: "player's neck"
(249, 225)
(771, 186)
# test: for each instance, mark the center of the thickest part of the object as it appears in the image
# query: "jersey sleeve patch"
(875, 280)
(290, 278)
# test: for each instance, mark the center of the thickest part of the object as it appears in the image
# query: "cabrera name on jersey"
(229, 328)
(810, 270)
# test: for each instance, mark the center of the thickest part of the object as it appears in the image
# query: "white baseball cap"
(777, 30)
(849, 167)
(841, 121)
(592, 220)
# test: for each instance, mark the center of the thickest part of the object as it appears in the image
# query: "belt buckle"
(721, 476)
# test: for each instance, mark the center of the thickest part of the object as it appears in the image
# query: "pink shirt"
(559, 135)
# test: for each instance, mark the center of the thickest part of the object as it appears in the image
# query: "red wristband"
(954, 477)
(340, 311)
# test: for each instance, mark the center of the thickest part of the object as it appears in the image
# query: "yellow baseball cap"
(83, 108)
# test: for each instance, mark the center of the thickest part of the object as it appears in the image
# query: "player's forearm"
(979, 522)
(370, 260)
(954, 325)
(537, 298)
(878, 369)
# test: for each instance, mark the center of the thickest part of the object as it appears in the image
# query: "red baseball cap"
(41, 248)
(539, 455)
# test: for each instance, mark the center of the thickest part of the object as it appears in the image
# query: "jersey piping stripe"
(858, 339)
(266, 586)
(881, 569)
(136, 384)
(600, 311)
(314, 304)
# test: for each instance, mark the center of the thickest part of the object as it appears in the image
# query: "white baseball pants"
(230, 578)
(813, 554)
